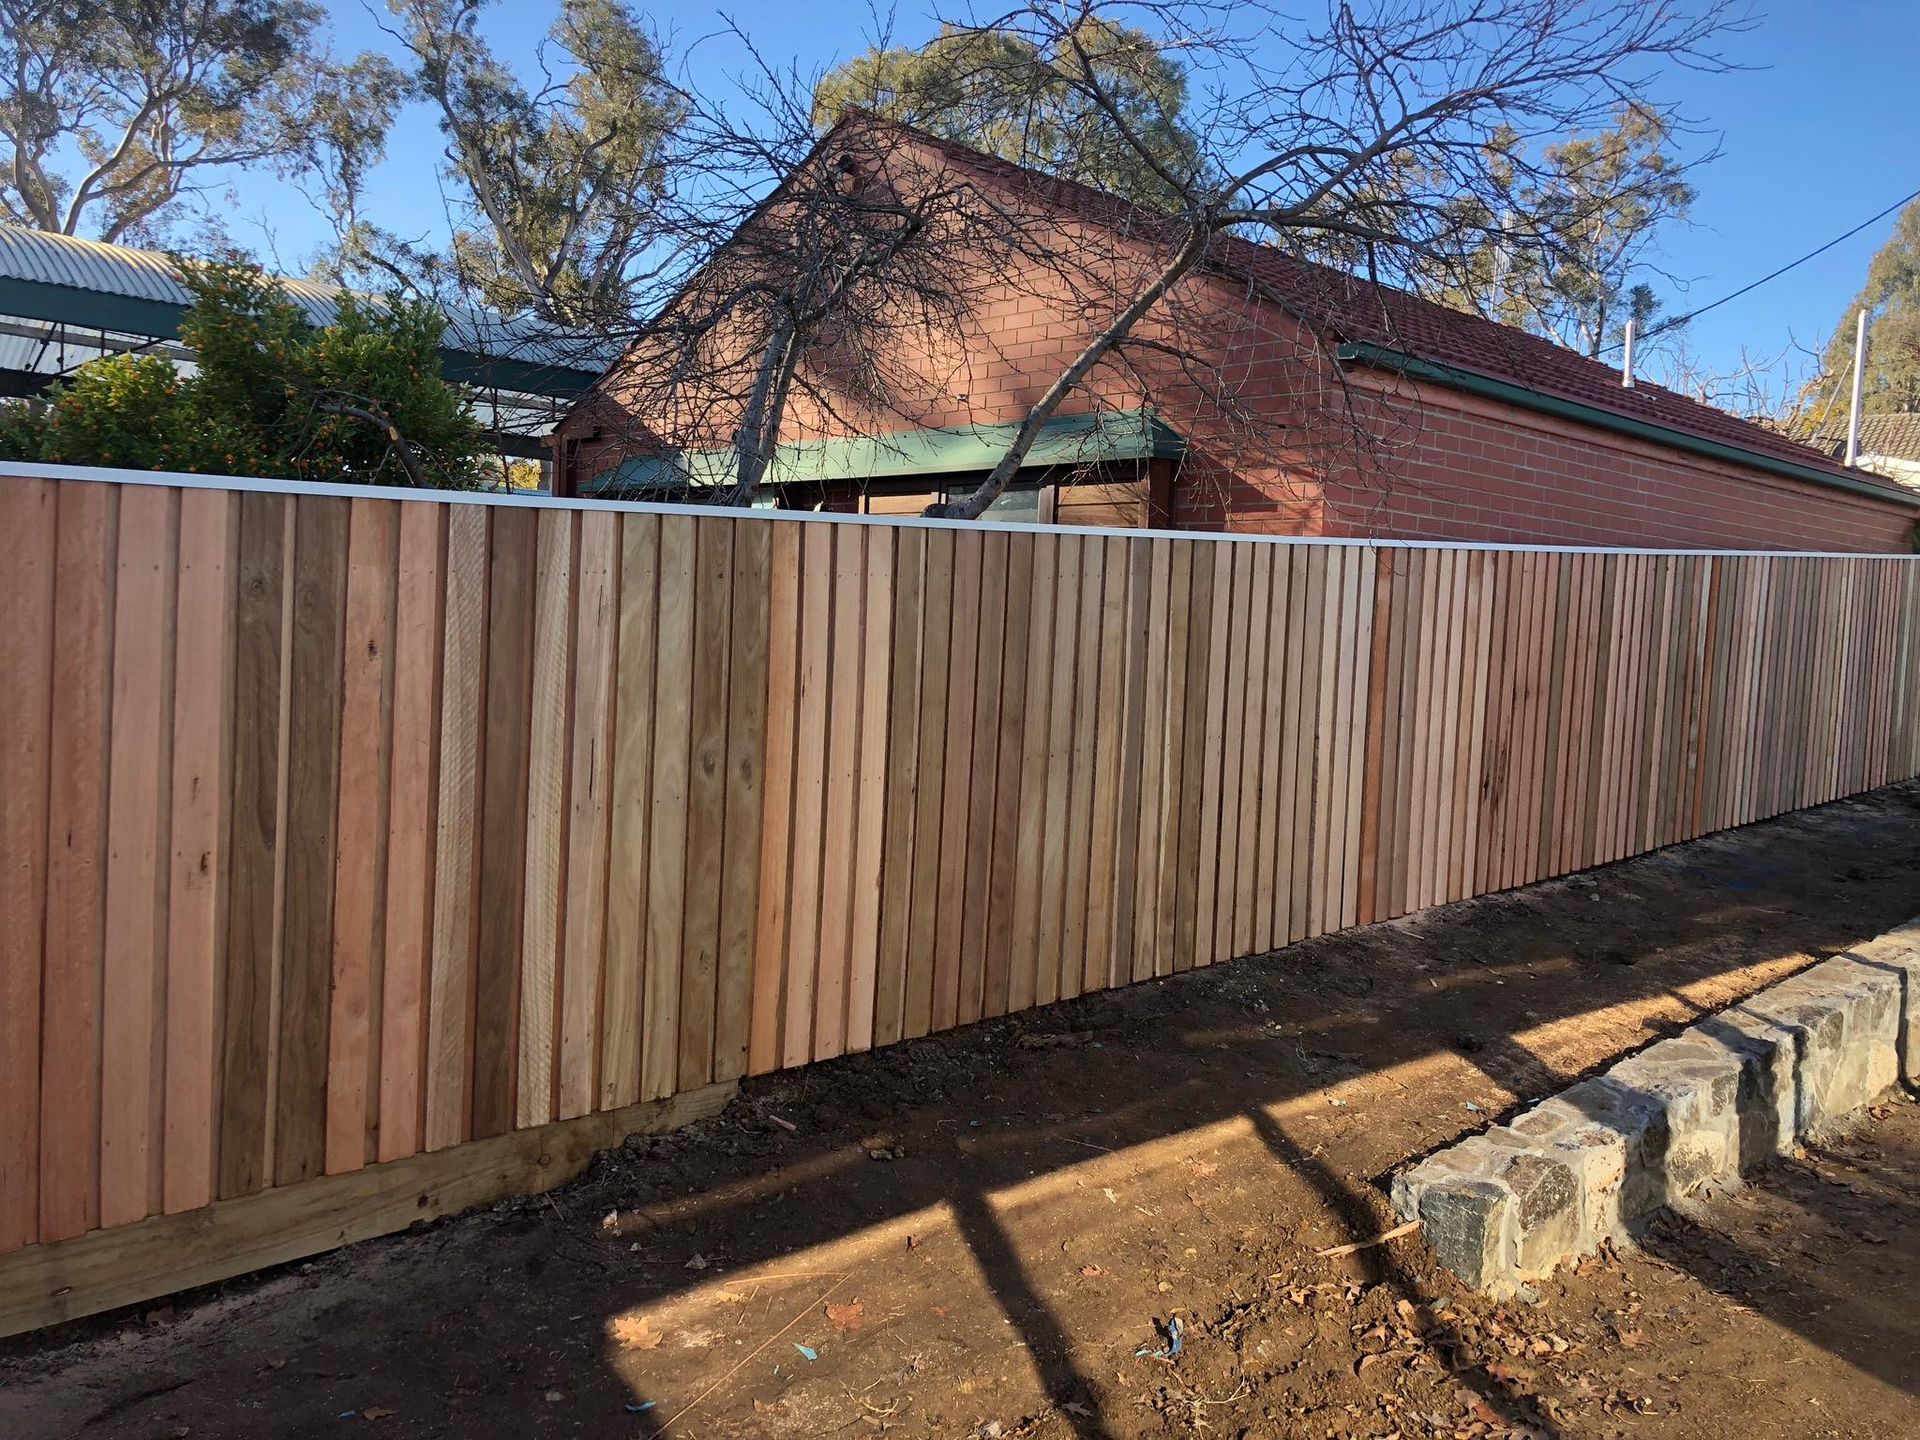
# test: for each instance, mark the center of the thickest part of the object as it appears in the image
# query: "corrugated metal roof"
(38, 258)
(20, 352)
(88, 265)
(56, 350)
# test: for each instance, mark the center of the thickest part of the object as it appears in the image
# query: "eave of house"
(1108, 437)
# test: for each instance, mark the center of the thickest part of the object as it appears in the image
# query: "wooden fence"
(340, 829)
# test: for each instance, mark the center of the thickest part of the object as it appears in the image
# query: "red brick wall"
(1481, 470)
(1452, 466)
(1283, 441)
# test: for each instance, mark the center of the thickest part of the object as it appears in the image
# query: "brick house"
(1266, 393)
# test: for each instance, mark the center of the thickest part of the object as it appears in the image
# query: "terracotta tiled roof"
(1895, 436)
(1352, 309)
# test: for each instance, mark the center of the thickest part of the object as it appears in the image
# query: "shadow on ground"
(1059, 1186)
(1826, 1244)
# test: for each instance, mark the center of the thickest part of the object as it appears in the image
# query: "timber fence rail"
(345, 833)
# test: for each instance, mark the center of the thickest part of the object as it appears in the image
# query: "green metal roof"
(1115, 435)
(61, 279)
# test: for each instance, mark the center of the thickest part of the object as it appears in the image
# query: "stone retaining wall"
(1689, 1112)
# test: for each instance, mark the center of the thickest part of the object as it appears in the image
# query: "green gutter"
(1380, 358)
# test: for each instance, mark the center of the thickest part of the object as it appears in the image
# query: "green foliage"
(1584, 217)
(995, 90)
(137, 412)
(553, 190)
(1891, 299)
(360, 400)
(115, 116)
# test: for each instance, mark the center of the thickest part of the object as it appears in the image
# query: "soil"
(992, 1232)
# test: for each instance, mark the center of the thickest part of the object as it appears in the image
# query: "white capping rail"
(13, 469)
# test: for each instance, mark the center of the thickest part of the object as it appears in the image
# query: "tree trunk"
(973, 506)
(759, 426)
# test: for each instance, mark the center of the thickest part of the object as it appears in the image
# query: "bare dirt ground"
(1055, 1190)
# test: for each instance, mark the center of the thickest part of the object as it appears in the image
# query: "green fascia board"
(90, 309)
(1380, 358)
(160, 320)
(1120, 435)
(521, 377)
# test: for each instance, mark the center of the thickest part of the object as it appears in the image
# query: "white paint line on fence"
(12, 469)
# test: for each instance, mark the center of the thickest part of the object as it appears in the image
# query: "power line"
(1679, 320)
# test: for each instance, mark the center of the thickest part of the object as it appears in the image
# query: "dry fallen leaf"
(632, 1332)
(376, 1412)
(846, 1317)
(1092, 1272)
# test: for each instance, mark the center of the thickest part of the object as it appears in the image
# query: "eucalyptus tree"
(552, 183)
(120, 118)
(1891, 298)
(1574, 258)
(1000, 91)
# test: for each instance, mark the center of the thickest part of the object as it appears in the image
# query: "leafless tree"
(1770, 389)
(1367, 137)
(846, 285)
(802, 283)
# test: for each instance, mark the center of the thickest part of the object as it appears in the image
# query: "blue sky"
(1815, 135)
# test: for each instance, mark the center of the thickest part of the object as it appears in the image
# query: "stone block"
(1641, 1123)
(1695, 1086)
(1875, 1000)
(1546, 1211)
(1897, 953)
(1468, 1221)
(1845, 1016)
(1764, 1108)
(1465, 1211)
(1817, 1027)
(1725, 1095)
(1596, 1155)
